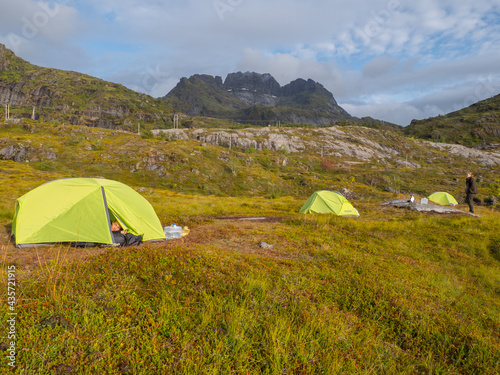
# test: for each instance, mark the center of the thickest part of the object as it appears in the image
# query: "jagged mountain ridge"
(258, 98)
(74, 98)
(78, 99)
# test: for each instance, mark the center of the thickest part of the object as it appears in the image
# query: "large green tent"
(80, 210)
(329, 202)
(443, 198)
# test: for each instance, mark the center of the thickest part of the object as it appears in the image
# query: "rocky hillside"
(371, 164)
(57, 96)
(74, 98)
(477, 125)
(351, 143)
(258, 99)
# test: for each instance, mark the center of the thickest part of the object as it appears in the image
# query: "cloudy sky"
(395, 60)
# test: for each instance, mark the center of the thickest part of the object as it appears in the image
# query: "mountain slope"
(74, 98)
(474, 125)
(257, 98)
(263, 161)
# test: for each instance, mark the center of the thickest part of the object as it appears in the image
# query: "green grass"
(335, 296)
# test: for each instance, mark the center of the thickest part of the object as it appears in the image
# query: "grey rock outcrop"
(348, 194)
(17, 154)
(345, 142)
(333, 141)
(18, 93)
(486, 158)
(21, 153)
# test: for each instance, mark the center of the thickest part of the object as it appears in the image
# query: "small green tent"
(329, 202)
(443, 198)
(80, 210)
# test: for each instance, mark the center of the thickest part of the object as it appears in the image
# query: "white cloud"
(26, 21)
(379, 67)
(389, 59)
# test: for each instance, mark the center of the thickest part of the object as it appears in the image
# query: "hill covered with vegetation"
(59, 96)
(243, 99)
(249, 162)
(256, 287)
(478, 124)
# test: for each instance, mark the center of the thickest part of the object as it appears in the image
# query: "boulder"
(390, 190)
(17, 154)
(265, 245)
(348, 194)
(491, 201)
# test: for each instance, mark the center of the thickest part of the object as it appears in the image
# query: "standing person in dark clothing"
(470, 191)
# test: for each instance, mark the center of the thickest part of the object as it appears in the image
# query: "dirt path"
(226, 233)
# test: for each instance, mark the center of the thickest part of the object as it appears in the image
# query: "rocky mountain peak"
(213, 81)
(262, 83)
(301, 86)
(257, 98)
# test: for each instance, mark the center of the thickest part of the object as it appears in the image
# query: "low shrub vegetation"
(255, 287)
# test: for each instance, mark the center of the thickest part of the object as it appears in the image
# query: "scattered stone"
(265, 245)
(348, 194)
(125, 368)
(491, 201)
(145, 190)
(54, 321)
(63, 369)
(171, 134)
(390, 190)
(51, 156)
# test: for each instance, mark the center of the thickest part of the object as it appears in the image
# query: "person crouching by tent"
(122, 237)
(470, 191)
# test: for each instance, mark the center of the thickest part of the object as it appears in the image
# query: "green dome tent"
(80, 210)
(443, 198)
(329, 202)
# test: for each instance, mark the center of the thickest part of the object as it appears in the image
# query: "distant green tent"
(80, 210)
(329, 202)
(443, 198)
